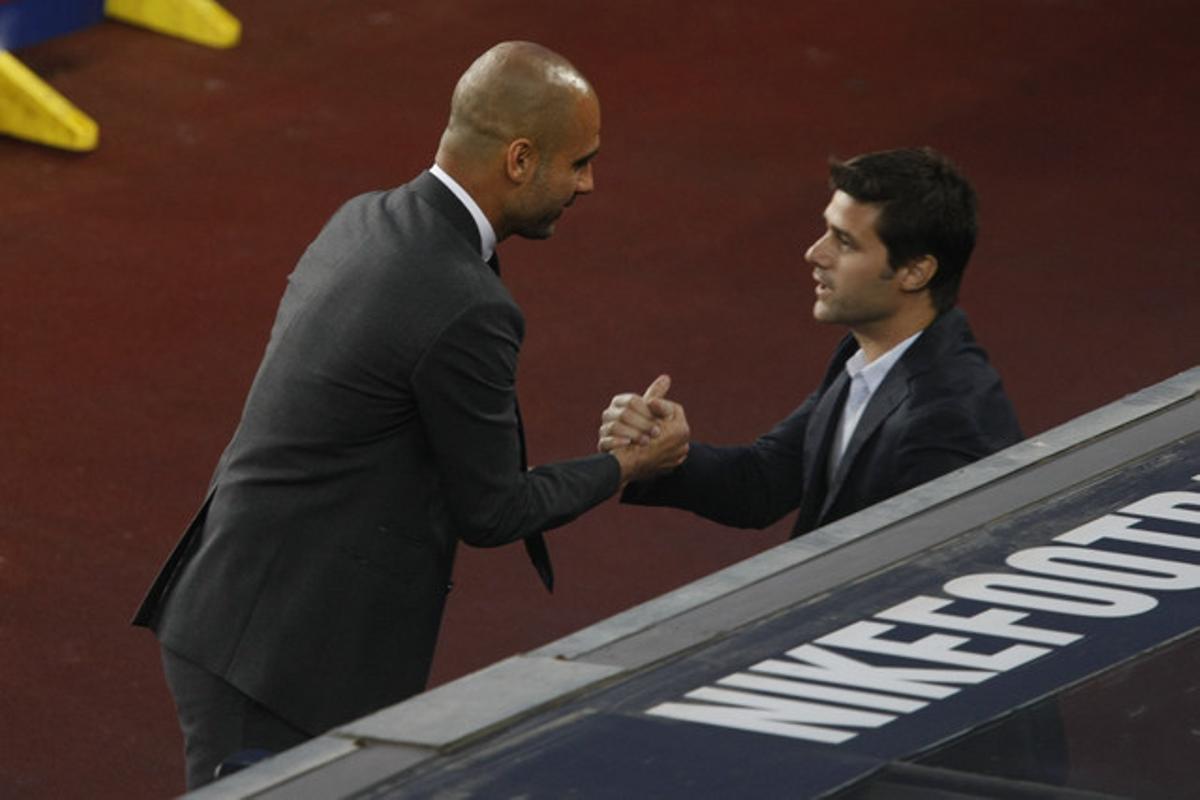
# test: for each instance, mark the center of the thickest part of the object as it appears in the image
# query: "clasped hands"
(648, 434)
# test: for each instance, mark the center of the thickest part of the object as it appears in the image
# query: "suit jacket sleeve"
(745, 487)
(465, 393)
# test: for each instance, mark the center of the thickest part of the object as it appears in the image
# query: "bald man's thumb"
(659, 388)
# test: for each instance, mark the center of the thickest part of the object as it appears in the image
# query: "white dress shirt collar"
(864, 380)
(487, 236)
(877, 370)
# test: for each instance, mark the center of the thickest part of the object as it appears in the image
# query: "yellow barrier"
(201, 21)
(32, 110)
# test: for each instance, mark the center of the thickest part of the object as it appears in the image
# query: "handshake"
(648, 434)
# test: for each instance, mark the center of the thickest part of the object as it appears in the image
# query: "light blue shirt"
(864, 380)
(487, 236)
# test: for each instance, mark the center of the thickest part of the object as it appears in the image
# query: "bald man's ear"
(916, 274)
(521, 160)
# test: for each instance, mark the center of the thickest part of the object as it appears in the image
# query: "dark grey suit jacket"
(940, 407)
(380, 429)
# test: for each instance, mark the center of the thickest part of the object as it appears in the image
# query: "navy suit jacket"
(940, 407)
(381, 428)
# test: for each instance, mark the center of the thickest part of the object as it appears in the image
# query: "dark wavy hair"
(926, 208)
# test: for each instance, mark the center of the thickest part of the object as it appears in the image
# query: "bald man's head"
(524, 126)
(514, 90)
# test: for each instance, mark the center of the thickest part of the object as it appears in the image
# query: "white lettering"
(843, 696)
(936, 647)
(829, 667)
(774, 715)
(847, 697)
(1168, 505)
(1047, 594)
(1136, 571)
(923, 610)
(1121, 528)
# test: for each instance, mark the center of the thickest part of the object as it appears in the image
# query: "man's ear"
(916, 274)
(520, 162)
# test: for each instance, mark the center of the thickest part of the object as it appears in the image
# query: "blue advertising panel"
(828, 692)
(27, 22)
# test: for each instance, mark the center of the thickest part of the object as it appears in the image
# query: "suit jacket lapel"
(818, 438)
(882, 404)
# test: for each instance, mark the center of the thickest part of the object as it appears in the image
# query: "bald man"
(382, 427)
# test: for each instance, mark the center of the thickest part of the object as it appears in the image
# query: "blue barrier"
(28, 22)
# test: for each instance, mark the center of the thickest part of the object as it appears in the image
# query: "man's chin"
(830, 316)
(542, 231)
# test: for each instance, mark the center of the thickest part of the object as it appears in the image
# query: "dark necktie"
(535, 544)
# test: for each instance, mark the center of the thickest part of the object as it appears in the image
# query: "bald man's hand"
(647, 433)
(634, 419)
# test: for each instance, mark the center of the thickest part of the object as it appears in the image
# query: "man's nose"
(816, 253)
(586, 183)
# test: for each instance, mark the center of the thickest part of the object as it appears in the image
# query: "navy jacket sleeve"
(748, 486)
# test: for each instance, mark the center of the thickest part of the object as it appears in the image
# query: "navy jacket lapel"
(882, 404)
(818, 437)
(819, 434)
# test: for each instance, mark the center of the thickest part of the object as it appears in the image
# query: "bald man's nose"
(586, 182)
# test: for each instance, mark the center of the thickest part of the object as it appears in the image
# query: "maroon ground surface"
(138, 283)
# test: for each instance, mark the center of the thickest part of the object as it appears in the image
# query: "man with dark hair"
(924, 206)
(908, 395)
(382, 427)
